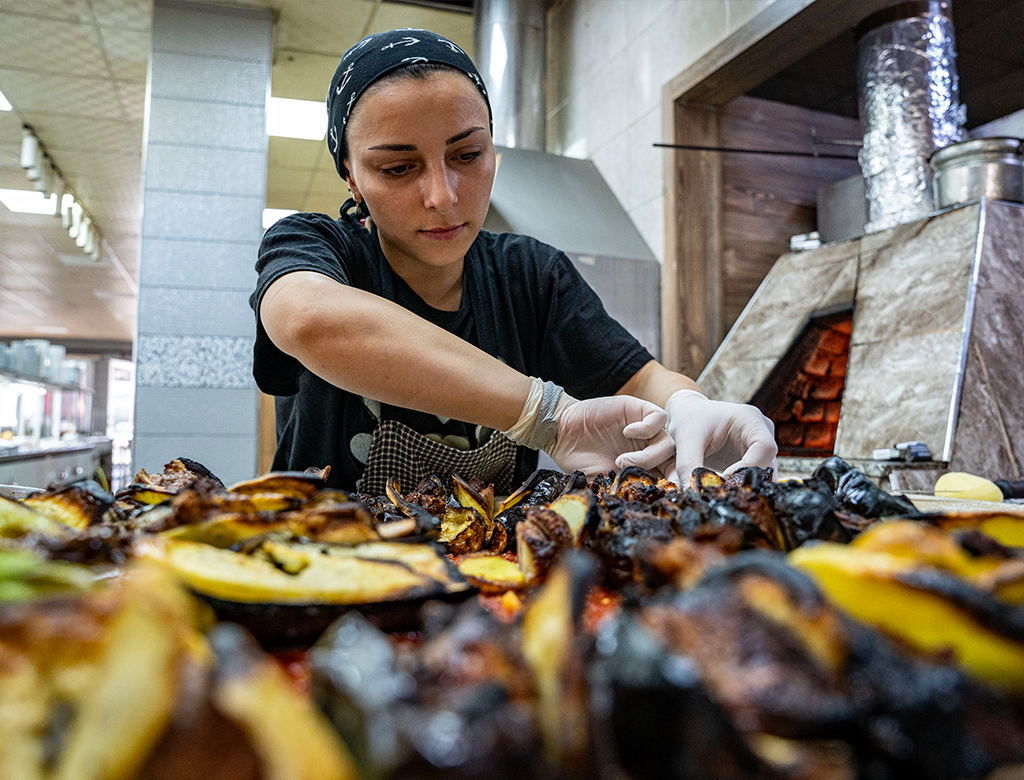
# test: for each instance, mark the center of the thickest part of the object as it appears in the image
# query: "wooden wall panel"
(691, 299)
(767, 199)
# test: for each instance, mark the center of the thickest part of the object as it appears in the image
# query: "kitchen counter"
(48, 462)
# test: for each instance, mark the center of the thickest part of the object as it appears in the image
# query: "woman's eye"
(396, 170)
(469, 156)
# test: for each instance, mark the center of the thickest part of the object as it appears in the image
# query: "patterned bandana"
(376, 56)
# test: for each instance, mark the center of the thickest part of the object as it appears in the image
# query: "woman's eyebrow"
(460, 136)
(393, 148)
(412, 147)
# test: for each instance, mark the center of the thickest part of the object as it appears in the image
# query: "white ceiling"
(75, 70)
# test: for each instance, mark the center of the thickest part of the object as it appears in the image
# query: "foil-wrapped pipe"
(909, 106)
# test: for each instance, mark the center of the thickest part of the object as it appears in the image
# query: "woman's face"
(420, 154)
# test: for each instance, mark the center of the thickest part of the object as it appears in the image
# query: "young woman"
(402, 340)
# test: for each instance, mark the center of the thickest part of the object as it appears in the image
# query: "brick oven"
(911, 334)
(803, 395)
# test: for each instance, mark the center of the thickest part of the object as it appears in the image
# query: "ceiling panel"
(127, 53)
(293, 153)
(302, 76)
(124, 14)
(288, 179)
(49, 45)
(31, 91)
(68, 10)
(322, 26)
(81, 134)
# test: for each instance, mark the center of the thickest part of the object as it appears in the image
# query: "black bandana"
(376, 56)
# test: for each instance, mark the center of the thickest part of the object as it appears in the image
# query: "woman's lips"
(445, 233)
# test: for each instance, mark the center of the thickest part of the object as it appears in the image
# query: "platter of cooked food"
(611, 626)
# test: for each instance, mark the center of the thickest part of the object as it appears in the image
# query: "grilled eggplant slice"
(541, 538)
(103, 670)
(143, 493)
(553, 646)
(291, 737)
(295, 484)
(77, 505)
(463, 530)
(1004, 527)
(490, 573)
(656, 719)
(324, 574)
(931, 610)
(347, 524)
(579, 510)
(18, 520)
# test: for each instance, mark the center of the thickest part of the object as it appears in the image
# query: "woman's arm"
(657, 384)
(368, 345)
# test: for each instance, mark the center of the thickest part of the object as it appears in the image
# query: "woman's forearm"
(656, 384)
(368, 345)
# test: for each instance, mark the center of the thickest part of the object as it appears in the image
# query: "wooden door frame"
(692, 275)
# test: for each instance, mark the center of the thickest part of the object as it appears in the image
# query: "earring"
(361, 211)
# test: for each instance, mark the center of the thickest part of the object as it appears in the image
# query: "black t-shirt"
(522, 301)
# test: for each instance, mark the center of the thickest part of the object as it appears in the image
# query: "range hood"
(563, 202)
(559, 200)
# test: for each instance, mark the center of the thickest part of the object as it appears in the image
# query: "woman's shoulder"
(504, 249)
(314, 226)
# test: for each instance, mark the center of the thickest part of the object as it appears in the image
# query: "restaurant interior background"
(123, 307)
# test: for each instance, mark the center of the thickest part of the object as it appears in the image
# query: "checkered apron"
(410, 457)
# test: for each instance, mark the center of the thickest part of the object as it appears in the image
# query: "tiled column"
(203, 195)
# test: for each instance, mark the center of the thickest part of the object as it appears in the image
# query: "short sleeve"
(299, 242)
(583, 348)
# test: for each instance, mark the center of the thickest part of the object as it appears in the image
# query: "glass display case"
(46, 416)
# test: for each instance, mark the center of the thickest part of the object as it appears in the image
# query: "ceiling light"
(290, 118)
(270, 216)
(28, 201)
(5, 104)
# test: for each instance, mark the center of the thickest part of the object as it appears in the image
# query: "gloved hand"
(720, 435)
(596, 435)
(601, 434)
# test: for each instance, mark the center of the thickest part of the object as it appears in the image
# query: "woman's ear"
(351, 182)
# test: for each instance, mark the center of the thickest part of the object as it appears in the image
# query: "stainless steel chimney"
(510, 51)
(909, 106)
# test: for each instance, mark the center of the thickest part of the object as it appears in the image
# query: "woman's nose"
(439, 189)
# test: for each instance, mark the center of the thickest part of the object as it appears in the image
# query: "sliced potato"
(491, 573)
(959, 484)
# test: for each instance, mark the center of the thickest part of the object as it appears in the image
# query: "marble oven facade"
(936, 341)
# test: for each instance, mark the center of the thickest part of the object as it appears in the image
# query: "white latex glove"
(601, 434)
(724, 435)
(596, 435)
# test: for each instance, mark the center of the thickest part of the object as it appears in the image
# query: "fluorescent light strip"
(28, 202)
(5, 104)
(288, 118)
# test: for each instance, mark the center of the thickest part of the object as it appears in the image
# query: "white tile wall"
(608, 61)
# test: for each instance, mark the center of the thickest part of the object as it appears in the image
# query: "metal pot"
(989, 167)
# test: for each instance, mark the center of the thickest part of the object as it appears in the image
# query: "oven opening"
(803, 395)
